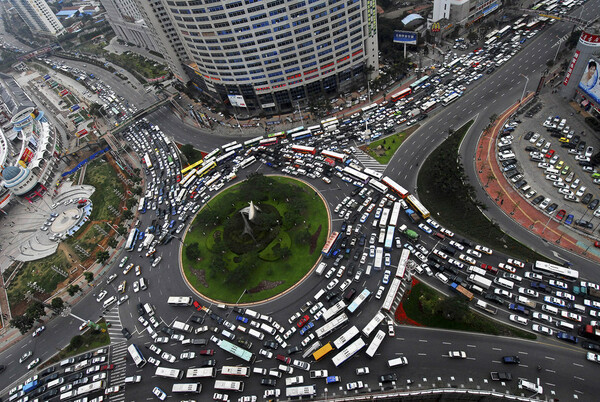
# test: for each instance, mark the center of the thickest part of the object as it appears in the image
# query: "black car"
(584, 224)
(593, 204)
(350, 269)
(586, 198)
(126, 333)
(217, 318)
(527, 137)
(271, 345)
(537, 200)
(50, 394)
(294, 349)
(511, 360)
(330, 295)
(47, 371)
(268, 382)
(494, 297)
(140, 309)
(244, 343)
(350, 294)
(239, 310)
(388, 377)
(207, 363)
(591, 346)
(74, 377)
(166, 330)
(197, 319)
(361, 241)
(51, 377)
(199, 341)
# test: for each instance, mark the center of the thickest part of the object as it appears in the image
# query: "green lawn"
(423, 305)
(136, 63)
(388, 145)
(103, 177)
(38, 271)
(441, 189)
(269, 266)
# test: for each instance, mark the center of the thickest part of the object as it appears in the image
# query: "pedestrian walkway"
(368, 161)
(113, 318)
(118, 357)
(514, 205)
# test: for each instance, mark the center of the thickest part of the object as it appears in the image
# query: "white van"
(143, 284)
(181, 326)
(55, 383)
(294, 380)
(549, 309)
(552, 170)
(109, 301)
(320, 268)
(267, 328)
(251, 313)
(565, 325)
(505, 157)
(580, 308)
(149, 309)
(441, 277)
(530, 386)
(505, 283)
(259, 335)
(476, 289)
(319, 294)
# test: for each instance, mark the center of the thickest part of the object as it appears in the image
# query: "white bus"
(358, 300)
(379, 186)
(179, 301)
(450, 98)
(148, 161)
(369, 107)
(88, 388)
(142, 204)
(320, 268)
(237, 386)
(302, 390)
(169, 373)
(248, 161)
(374, 345)
(391, 294)
(253, 142)
(383, 219)
(346, 337)
(188, 388)
(236, 371)
(201, 372)
(373, 173)
(334, 310)
(355, 174)
(395, 214)
(136, 355)
(229, 145)
(330, 327)
(372, 325)
(348, 352)
(555, 271)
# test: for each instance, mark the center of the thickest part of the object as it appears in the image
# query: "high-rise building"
(464, 12)
(126, 20)
(38, 17)
(269, 54)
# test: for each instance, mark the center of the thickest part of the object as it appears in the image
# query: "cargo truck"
(480, 281)
(411, 234)
(462, 290)
(412, 215)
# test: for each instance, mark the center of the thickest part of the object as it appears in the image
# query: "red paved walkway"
(511, 201)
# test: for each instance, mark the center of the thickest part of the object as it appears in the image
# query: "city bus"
(369, 108)
(373, 173)
(253, 142)
(247, 162)
(401, 269)
(142, 205)
(204, 170)
(234, 148)
(346, 337)
(332, 326)
(236, 351)
(237, 386)
(301, 391)
(136, 355)
(236, 371)
(504, 31)
(490, 41)
(555, 271)
(375, 343)
(417, 206)
(304, 150)
(169, 373)
(391, 294)
(330, 244)
(201, 372)
(335, 155)
(377, 185)
(311, 349)
(334, 310)
(213, 154)
(296, 130)
(357, 302)
(280, 134)
(395, 214)
(187, 388)
(450, 98)
(417, 84)
(373, 324)
(268, 142)
(213, 179)
(187, 177)
(225, 157)
(401, 94)
(301, 134)
(395, 187)
(131, 239)
(148, 161)
(192, 166)
(229, 145)
(89, 388)
(355, 174)
(348, 352)
(389, 238)
(322, 351)
(179, 301)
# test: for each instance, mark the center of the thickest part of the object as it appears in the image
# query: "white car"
(354, 385)
(379, 292)
(25, 356)
(542, 317)
(159, 393)
(518, 319)
(457, 354)
(187, 356)
(136, 287)
(156, 261)
(266, 353)
(528, 292)
(345, 285)
(168, 357)
(330, 286)
(542, 329)
(101, 295)
(516, 263)
(425, 228)
(483, 249)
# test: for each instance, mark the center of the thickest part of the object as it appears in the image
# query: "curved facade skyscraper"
(269, 54)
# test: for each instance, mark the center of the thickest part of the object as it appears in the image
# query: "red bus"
(304, 150)
(402, 94)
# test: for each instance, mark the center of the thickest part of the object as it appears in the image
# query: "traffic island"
(255, 239)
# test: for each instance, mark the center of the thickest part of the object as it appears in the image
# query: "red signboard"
(27, 155)
(571, 67)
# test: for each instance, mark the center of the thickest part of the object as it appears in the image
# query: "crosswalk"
(113, 318)
(117, 375)
(367, 161)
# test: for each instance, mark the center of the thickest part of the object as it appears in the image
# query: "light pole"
(525, 87)
(557, 49)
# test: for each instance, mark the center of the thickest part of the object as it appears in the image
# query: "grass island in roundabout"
(233, 249)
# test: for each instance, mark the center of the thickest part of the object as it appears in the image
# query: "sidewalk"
(518, 208)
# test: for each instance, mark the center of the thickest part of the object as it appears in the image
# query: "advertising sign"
(589, 39)
(571, 67)
(406, 37)
(237, 100)
(589, 83)
(267, 105)
(27, 155)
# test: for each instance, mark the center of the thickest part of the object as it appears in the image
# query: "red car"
(197, 305)
(597, 244)
(178, 178)
(303, 321)
(285, 359)
(490, 268)
(107, 367)
(561, 214)
(207, 352)
(550, 154)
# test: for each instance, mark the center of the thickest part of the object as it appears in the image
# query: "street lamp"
(525, 87)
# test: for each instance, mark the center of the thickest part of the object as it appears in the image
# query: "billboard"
(406, 37)
(237, 100)
(571, 67)
(589, 83)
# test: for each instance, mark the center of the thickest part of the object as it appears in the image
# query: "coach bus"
(555, 271)
(348, 352)
(136, 355)
(402, 94)
(295, 130)
(234, 148)
(89, 388)
(395, 187)
(253, 142)
(169, 373)
(504, 31)
(142, 205)
(369, 107)
(322, 351)
(179, 301)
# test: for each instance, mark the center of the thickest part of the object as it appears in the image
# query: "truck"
(480, 281)
(486, 307)
(147, 240)
(411, 234)
(412, 215)
(589, 332)
(414, 112)
(594, 292)
(498, 376)
(462, 290)
(518, 308)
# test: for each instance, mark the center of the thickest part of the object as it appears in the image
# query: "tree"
(121, 230)
(102, 256)
(89, 276)
(192, 252)
(22, 323)
(95, 109)
(76, 342)
(127, 214)
(35, 311)
(472, 36)
(453, 308)
(131, 202)
(189, 152)
(57, 303)
(72, 289)
(137, 190)
(112, 242)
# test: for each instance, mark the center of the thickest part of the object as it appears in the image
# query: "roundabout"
(255, 240)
